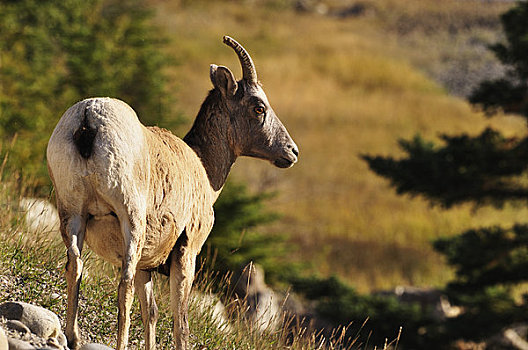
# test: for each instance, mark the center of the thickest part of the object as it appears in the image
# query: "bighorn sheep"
(143, 198)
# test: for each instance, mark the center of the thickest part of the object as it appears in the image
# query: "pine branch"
(486, 169)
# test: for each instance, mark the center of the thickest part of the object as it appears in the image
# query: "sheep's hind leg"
(133, 228)
(72, 230)
(181, 278)
(149, 310)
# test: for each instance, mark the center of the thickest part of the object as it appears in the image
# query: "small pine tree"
(489, 263)
(484, 169)
(235, 240)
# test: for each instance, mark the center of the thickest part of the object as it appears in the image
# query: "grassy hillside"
(345, 87)
(32, 270)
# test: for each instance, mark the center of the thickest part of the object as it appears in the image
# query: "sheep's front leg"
(149, 310)
(72, 231)
(134, 234)
(182, 270)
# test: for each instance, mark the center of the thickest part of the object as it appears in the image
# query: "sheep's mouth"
(284, 162)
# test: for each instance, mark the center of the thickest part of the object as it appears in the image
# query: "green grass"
(346, 87)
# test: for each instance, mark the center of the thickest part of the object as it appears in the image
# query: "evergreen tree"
(484, 169)
(510, 92)
(54, 53)
(235, 240)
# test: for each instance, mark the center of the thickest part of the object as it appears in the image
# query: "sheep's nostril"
(295, 151)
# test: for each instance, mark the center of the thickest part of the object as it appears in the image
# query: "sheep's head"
(255, 130)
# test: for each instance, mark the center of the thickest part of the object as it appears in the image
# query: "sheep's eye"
(259, 110)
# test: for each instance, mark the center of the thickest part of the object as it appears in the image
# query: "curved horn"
(248, 67)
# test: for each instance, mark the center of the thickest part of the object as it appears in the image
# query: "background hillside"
(349, 78)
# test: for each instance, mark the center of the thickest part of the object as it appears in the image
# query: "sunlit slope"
(343, 88)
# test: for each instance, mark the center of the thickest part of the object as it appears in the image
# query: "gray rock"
(54, 343)
(263, 305)
(3, 340)
(40, 215)
(17, 326)
(61, 339)
(210, 306)
(512, 337)
(40, 321)
(93, 346)
(251, 280)
(293, 305)
(430, 300)
(17, 344)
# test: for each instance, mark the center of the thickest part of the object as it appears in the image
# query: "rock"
(293, 306)
(3, 340)
(93, 346)
(61, 339)
(430, 300)
(28, 327)
(513, 337)
(356, 10)
(54, 343)
(18, 344)
(40, 215)
(251, 280)
(40, 321)
(17, 326)
(267, 312)
(210, 305)
(263, 305)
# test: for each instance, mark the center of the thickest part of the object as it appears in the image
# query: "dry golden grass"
(343, 88)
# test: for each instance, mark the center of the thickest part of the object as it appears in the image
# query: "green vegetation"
(235, 241)
(342, 87)
(54, 53)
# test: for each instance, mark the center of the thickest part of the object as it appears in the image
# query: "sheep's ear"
(223, 80)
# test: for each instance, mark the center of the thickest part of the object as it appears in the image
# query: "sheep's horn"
(248, 67)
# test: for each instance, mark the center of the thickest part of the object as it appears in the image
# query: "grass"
(32, 270)
(346, 87)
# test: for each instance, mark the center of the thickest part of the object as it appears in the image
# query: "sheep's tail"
(84, 136)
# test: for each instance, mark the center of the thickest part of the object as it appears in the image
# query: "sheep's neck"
(208, 138)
